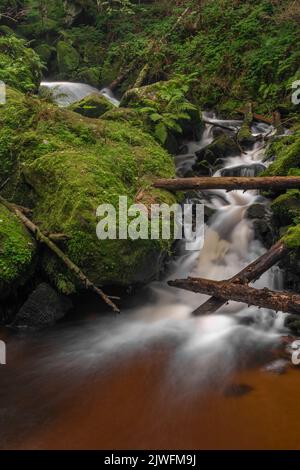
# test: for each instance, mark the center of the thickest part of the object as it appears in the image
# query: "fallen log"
(263, 298)
(250, 273)
(257, 117)
(59, 253)
(222, 126)
(229, 183)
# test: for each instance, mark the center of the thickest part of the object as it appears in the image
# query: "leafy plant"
(169, 107)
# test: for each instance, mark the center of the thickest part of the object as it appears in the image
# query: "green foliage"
(168, 107)
(21, 67)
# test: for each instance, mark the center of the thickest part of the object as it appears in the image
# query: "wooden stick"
(60, 254)
(262, 298)
(229, 183)
(251, 273)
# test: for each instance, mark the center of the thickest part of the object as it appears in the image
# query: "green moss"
(67, 58)
(20, 66)
(286, 208)
(92, 106)
(73, 165)
(292, 238)
(286, 151)
(17, 250)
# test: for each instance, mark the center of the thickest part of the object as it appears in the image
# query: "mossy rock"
(85, 163)
(224, 146)
(93, 106)
(286, 207)
(20, 66)
(17, 249)
(292, 238)
(286, 151)
(67, 58)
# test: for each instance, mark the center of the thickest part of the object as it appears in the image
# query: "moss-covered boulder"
(17, 249)
(65, 166)
(67, 58)
(93, 106)
(20, 66)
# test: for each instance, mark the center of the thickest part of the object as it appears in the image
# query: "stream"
(155, 377)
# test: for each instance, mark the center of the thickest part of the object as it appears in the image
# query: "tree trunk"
(60, 254)
(262, 298)
(249, 274)
(229, 183)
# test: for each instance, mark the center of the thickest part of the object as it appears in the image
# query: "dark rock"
(292, 322)
(224, 146)
(44, 307)
(257, 211)
(202, 168)
(244, 170)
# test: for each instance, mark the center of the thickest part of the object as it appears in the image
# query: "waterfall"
(66, 93)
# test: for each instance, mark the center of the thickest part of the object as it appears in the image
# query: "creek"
(155, 377)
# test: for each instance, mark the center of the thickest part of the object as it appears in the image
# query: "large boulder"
(43, 308)
(66, 166)
(17, 250)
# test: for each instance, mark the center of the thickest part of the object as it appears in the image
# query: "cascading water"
(66, 93)
(124, 353)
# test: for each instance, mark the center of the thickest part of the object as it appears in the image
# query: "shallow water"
(155, 377)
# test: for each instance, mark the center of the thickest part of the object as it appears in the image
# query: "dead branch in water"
(262, 298)
(251, 273)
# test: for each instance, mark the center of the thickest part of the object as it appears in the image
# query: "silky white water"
(209, 346)
(66, 93)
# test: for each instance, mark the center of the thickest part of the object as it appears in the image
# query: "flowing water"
(155, 377)
(66, 93)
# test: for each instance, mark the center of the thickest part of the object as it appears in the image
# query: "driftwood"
(57, 251)
(262, 298)
(249, 274)
(229, 183)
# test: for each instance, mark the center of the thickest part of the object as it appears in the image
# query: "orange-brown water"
(132, 403)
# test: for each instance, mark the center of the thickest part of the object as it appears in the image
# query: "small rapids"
(190, 354)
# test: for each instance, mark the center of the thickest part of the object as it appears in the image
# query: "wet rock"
(44, 307)
(244, 170)
(257, 211)
(202, 168)
(238, 390)
(224, 146)
(264, 231)
(292, 322)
